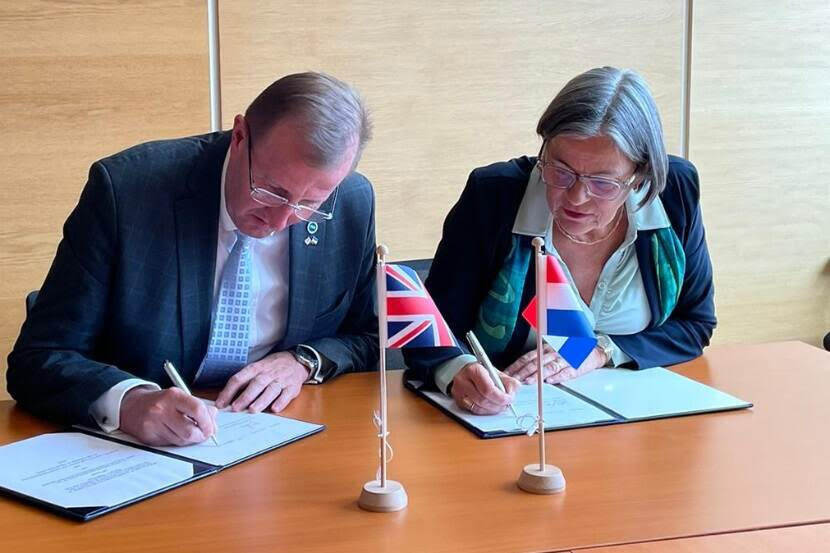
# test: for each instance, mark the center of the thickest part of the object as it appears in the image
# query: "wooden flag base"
(382, 500)
(547, 481)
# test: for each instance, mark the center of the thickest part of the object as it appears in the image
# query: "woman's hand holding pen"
(473, 390)
(166, 417)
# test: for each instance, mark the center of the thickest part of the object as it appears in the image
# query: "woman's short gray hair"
(616, 103)
(330, 111)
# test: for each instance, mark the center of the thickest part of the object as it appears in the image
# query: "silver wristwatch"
(604, 343)
(310, 359)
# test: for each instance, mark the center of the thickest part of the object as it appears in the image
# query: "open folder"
(85, 473)
(603, 396)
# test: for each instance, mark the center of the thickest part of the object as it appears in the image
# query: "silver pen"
(179, 383)
(478, 351)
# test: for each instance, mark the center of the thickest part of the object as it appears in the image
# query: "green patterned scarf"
(499, 311)
(669, 268)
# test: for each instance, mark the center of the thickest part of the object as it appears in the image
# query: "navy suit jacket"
(132, 280)
(476, 239)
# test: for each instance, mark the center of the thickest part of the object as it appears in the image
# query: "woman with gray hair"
(623, 220)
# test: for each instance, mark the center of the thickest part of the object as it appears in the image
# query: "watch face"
(306, 359)
(318, 368)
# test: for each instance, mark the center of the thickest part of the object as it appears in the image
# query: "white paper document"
(71, 470)
(561, 409)
(649, 393)
(240, 436)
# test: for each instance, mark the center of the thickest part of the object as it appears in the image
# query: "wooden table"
(812, 538)
(689, 476)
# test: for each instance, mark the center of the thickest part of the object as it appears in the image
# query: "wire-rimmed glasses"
(272, 199)
(558, 175)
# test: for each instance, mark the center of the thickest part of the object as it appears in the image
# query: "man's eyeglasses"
(558, 176)
(272, 199)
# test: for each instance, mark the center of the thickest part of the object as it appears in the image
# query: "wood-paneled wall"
(452, 86)
(456, 86)
(81, 80)
(760, 136)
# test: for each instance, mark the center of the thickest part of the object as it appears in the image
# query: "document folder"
(84, 473)
(601, 397)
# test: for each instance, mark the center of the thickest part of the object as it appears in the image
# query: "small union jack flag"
(412, 319)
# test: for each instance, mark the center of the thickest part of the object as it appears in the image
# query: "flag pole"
(382, 495)
(541, 478)
(383, 330)
(541, 330)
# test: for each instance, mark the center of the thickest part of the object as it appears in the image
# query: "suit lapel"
(197, 219)
(305, 275)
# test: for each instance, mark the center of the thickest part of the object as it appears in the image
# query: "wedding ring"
(468, 404)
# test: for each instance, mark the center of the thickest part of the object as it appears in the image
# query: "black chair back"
(31, 298)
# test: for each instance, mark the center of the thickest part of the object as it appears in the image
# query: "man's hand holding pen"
(166, 417)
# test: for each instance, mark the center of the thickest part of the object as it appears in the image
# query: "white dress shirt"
(269, 282)
(619, 304)
(269, 290)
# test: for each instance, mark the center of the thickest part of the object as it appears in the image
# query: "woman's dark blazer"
(477, 236)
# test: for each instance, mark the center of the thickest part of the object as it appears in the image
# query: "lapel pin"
(312, 227)
(310, 241)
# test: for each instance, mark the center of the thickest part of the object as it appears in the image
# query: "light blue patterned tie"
(231, 329)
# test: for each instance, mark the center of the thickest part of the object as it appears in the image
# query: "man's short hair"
(330, 111)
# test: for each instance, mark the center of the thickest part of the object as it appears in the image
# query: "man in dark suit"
(245, 257)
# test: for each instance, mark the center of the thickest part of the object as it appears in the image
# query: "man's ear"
(240, 131)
